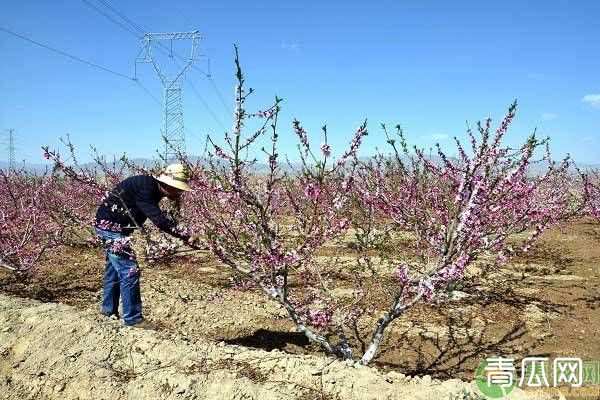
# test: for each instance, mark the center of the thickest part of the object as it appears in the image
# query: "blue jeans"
(121, 278)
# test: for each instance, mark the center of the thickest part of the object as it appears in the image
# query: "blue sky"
(428, 65)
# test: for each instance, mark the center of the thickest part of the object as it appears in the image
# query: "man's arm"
(158, 217)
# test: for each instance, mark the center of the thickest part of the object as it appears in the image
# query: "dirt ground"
(54, 351)
(545, 304)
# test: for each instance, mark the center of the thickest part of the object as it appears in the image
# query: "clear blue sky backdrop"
(429, 65)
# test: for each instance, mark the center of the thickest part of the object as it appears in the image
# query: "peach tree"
(271, 227)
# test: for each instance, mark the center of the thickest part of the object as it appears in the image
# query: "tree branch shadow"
(268, 340)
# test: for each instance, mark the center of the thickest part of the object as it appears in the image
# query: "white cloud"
(439, 136)
(290, 46)
(592, 99)
(549, 116)
(436, 136)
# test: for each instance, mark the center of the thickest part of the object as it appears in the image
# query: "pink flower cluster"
(591, 188)
(106, 225)
(320, 318)
(462, 208)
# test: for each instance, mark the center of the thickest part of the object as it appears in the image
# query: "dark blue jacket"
(141, 195)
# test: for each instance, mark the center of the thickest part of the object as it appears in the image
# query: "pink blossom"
(401, 274)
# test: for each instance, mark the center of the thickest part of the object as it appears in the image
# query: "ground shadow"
(457, 352)
(50, 290)
(592, 301)
(471, 334)
(546, 259)
(268, 340)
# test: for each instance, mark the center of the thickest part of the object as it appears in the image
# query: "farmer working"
(126, 208)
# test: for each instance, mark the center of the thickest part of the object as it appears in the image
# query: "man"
(125, 209)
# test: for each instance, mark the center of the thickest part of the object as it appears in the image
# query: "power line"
(123, 17)
(81, 60)
(165, 50)
(123, 26)
(139, 36)
(208, 76)
(212, 114)
(219, 95)
(204, 103)
(192, 134)
(11, 147)
(162, 46)
(65, 54)
(145, 89)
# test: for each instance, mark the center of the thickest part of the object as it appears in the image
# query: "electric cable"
(165, 50)
(63, 53)
(105, 14)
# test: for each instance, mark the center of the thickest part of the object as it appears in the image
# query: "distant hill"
(259, 168)
(30, 167)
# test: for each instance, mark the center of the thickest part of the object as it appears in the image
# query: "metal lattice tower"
(173, 128)
(11, 149)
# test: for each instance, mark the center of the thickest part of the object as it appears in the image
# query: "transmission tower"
(173, 128)
(11, 149)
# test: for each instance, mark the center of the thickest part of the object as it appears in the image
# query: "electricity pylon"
(173, 128)
(11, 149)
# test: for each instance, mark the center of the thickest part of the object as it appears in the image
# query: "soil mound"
(54, 351)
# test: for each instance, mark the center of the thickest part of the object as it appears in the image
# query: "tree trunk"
(382, 323)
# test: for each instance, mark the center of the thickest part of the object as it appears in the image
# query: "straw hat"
(175, 175)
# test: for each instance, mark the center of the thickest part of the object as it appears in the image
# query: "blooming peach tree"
(268, 227)
(26, 230)
(76, 194)
(591, 189)
(454, 210)
(272, 227)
